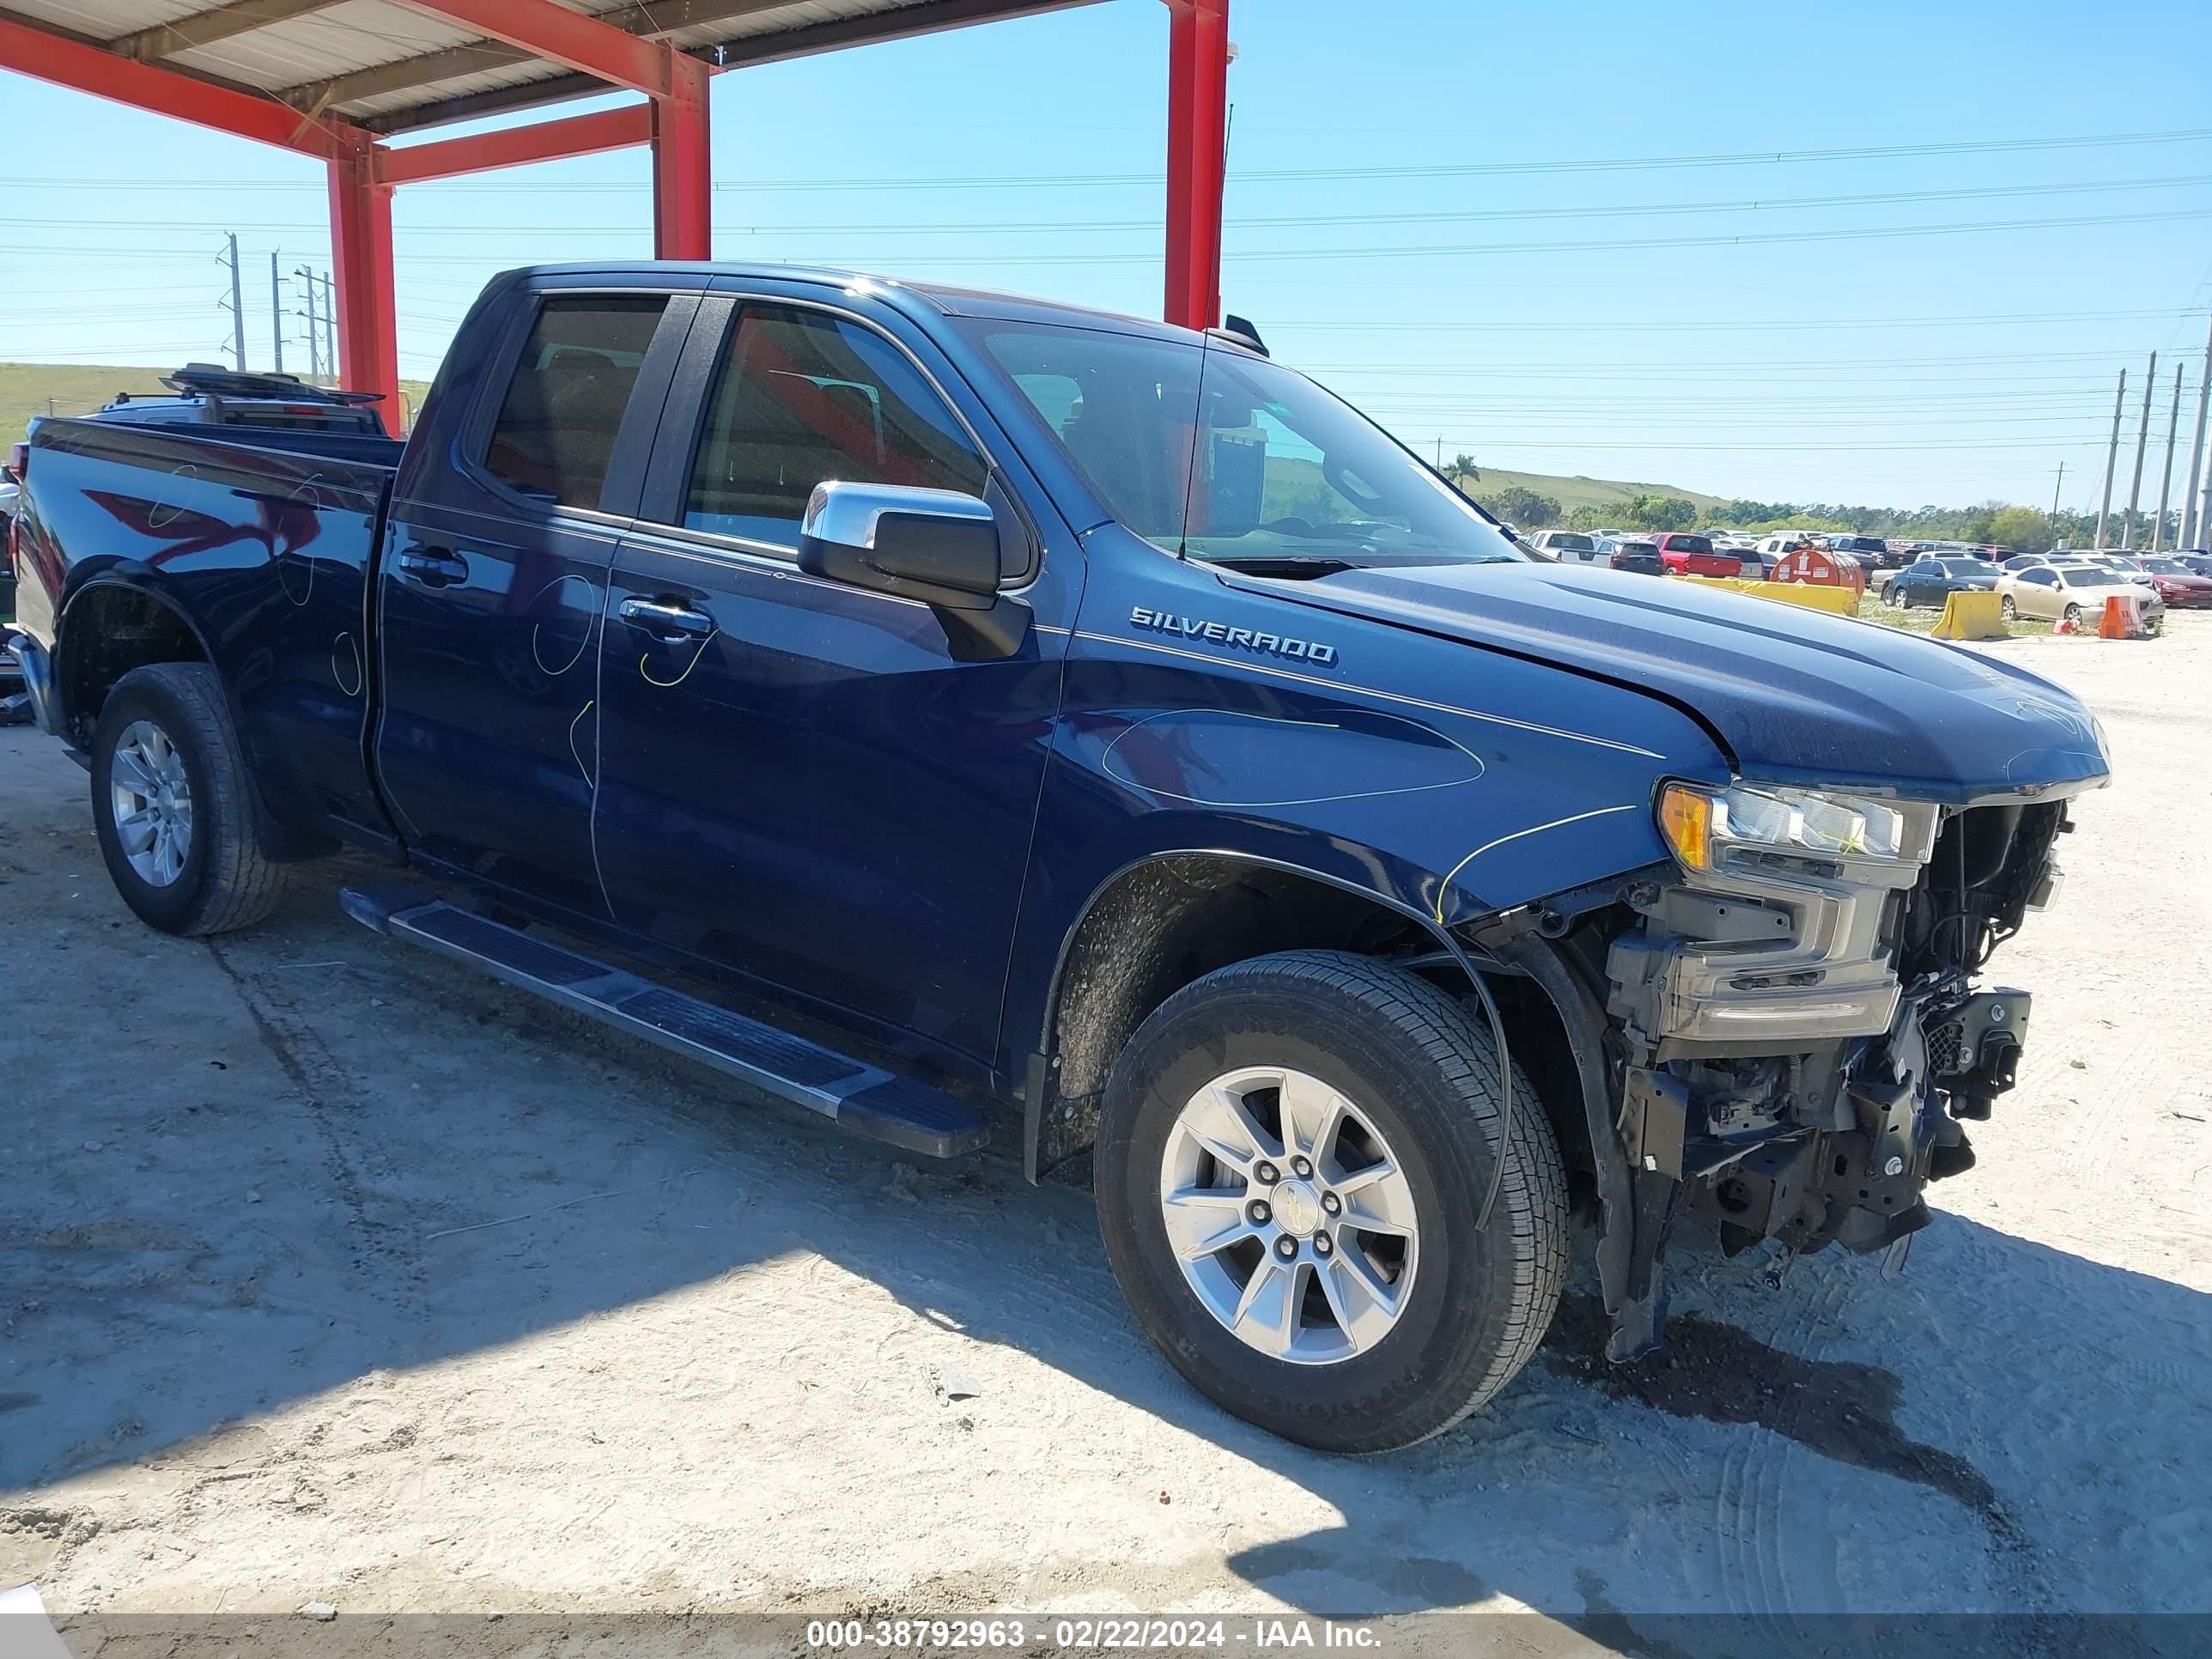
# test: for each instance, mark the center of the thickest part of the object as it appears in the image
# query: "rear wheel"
(1289, 1163)
(2007, 609)
(172, 804)
(1894, 596)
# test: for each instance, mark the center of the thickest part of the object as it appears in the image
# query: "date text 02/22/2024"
(1260, 1635)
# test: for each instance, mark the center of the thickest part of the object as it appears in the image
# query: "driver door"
(801, 784)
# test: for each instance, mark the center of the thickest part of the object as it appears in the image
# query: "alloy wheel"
(151, 798)
(1291, 1217)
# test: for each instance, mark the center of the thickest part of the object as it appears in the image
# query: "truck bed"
(264, 539)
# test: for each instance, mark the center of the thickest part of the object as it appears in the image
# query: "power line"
(1448, 170)
(1091, 226)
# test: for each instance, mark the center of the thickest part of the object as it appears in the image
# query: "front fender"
(1447, 782)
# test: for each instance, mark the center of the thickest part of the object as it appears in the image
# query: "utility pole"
(2056, 490)
(2197, 527)
(2142, 437)
(2165, 478)
(2111, 460)
(237, 310)
(330, 327)
(314, 325)
(276, 315)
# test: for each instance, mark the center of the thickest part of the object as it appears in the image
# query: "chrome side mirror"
(939, 546)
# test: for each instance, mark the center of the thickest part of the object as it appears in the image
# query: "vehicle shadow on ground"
(430, 1165)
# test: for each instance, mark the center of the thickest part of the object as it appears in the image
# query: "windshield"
(1568, 543)
(2168, 567)
(1234, 459)
(1689, 543)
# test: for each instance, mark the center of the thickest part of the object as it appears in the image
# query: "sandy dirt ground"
(329, 1273)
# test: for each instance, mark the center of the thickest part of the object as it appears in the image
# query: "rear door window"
(556, 425)
(803, 397)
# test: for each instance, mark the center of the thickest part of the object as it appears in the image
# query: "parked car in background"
(2073, 592)
(1930, 580)
(1628, 554)
(2197, 561)
(2177, 584)
(1782, 543)
(1567, 546)
(1689, 555)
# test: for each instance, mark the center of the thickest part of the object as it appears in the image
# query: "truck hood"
(1794, 695)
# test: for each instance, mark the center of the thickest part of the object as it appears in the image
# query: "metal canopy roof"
(385, 67)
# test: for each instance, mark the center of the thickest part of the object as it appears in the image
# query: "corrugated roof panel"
(513, 74)
(354, 35)
(350, 36)
(104, 19)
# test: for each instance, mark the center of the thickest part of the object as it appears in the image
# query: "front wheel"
(2074, 615)
(172, 804)
(2008, 609)
(1290, 1160)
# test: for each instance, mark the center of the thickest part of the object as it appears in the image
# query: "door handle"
(432, 567)
(665, 620)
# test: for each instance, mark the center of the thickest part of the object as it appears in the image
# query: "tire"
(1893, 597)
(221, 880)
(2008, 609)
(1412, 1065)
(2074, 614)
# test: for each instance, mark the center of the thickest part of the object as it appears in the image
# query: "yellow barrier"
(1972, 617)
(1818, 596)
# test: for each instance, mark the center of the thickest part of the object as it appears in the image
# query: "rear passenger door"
(493, 582)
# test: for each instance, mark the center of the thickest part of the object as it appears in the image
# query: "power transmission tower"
(2196, 526)
(315, 323)
(2142, 437)
(2111, 459)
(276, 315)
(2165, 478)
(237, 309)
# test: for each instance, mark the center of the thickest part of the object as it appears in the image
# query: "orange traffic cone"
(2115, 624)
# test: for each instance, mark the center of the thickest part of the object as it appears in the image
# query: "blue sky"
(1408, 221)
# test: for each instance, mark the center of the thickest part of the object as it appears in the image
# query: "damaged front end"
(1791, 1038)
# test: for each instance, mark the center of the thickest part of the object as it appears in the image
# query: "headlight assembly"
(1704, 826)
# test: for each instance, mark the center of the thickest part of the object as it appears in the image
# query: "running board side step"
(901, 1111)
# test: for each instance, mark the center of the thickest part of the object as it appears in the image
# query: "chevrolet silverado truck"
(968, 716)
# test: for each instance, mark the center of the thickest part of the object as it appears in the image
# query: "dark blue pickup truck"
(1092, 727)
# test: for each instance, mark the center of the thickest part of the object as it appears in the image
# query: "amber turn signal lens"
(1686, 819)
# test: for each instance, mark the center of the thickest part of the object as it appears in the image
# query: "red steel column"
(683, 166)
(361, 248)
(1198, 113)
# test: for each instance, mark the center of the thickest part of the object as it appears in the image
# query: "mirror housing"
(936, 545)
(940, 547)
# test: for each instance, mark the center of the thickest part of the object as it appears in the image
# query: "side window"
(803, 398)
(556, 425)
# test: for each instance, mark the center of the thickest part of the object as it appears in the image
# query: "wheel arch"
(108, 626)
(112, 624)
(1169, 917)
